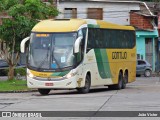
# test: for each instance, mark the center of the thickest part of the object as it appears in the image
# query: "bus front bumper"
(70, 83)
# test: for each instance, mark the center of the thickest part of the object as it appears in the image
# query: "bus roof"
(58, 25)
(70, 25)
(108, 25)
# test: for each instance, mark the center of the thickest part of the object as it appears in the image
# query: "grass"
(13, 85)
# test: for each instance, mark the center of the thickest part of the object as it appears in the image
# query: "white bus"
(80, 53)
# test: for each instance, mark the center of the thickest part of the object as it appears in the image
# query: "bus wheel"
(44, 91)
(120, 82)
(125, 80)
(119, 85)
(86, 88)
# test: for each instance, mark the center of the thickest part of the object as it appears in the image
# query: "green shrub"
(20, 71)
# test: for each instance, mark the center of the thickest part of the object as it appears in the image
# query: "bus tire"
(87, 86)
(125, 80)
(119, 85)
(44, 91)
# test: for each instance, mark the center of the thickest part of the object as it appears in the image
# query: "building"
(155, 8)
(122, 12)
(133, 13)
(159, 24)
(146, 35)
(114, 11)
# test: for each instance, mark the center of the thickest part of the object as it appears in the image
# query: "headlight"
(71, 74)
(29, 74)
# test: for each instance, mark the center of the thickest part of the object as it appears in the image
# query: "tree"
(24, 14)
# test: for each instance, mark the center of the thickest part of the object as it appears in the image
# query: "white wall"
(112, 12)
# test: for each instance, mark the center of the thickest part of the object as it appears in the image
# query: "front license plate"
(49, 84)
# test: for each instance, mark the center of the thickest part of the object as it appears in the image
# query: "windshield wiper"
(42, 62)
(56, 61)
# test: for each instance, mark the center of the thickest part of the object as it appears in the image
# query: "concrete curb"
(19, 91)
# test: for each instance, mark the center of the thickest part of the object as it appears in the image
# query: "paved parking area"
(141, 95)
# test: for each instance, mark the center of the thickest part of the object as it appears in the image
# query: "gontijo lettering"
(119, 55)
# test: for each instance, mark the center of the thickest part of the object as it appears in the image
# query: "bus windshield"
(51, 51)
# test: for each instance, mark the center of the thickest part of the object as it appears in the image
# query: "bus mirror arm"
(77, 44)
(23, 42)
(88, 49)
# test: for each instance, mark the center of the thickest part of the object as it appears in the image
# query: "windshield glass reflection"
(51, 51)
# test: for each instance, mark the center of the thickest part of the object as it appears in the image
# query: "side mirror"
(23, 44)
(77, 44)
